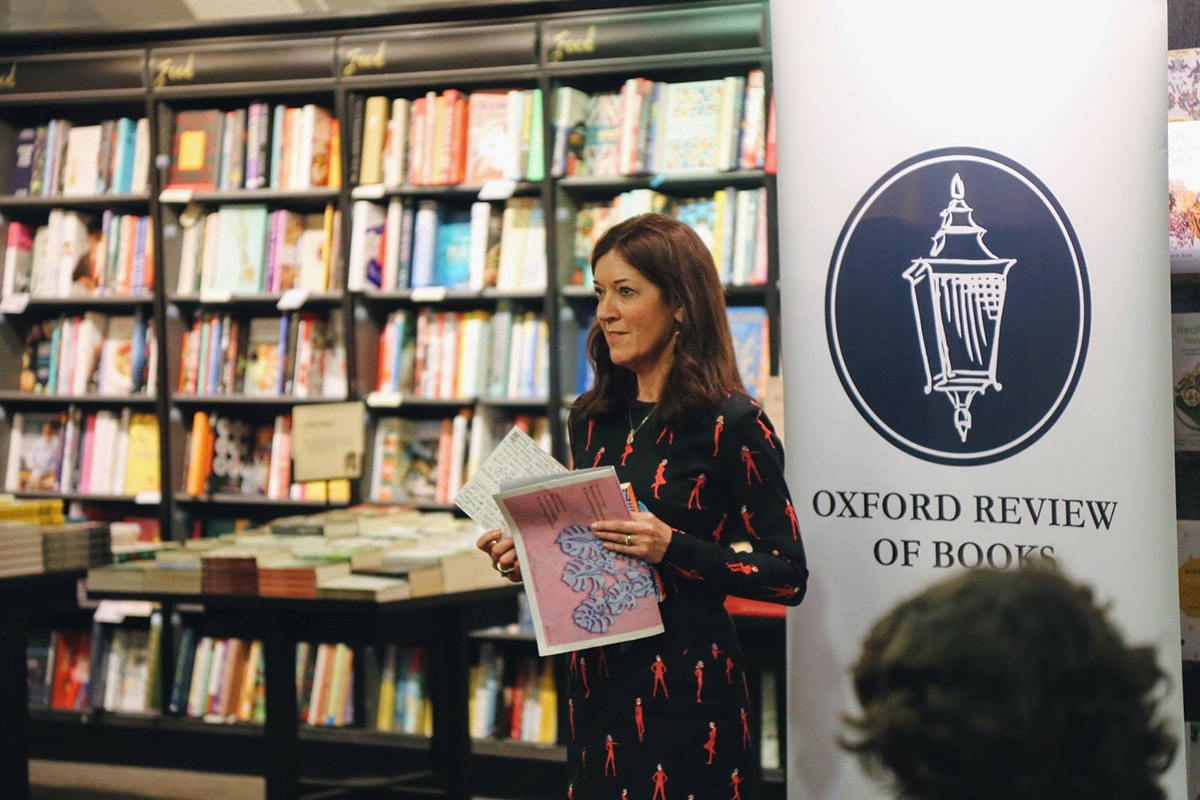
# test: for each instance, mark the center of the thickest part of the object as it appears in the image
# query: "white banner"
(974, 269)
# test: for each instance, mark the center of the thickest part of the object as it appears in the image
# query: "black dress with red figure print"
(670, 715)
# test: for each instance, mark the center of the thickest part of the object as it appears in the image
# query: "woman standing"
(670, 715)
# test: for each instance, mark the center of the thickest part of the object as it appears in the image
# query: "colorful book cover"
(580, 594)
(263, 354)
(1188, 531)
(1185, 360)
(242, 248)
(195, 151)
(751, 346)
(602, 137)
(489, 141)
(692, 116)
(452, 259)
(142, 461)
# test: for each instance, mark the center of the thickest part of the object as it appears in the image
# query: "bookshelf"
(528, 308)
(81, 273)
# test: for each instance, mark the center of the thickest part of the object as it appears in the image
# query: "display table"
(20, 599)
(444, 620)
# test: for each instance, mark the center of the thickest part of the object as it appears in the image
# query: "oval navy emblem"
(958, 307)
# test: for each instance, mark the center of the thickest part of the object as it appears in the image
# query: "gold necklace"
(633, 430)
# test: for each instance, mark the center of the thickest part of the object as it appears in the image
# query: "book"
(361, 586)
(489, 141)
(242, 248)
(22, 172)
(452, 256)
(374, 132)
(580, 594)
(570, 119)
(18, 258)
(1185, 352)
(750, 328)
(195, 149)
(35, 451)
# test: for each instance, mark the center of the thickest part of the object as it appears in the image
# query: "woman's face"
(637, 324)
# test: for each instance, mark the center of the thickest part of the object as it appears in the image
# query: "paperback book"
(580, 594)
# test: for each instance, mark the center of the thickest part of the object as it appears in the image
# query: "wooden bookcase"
(591, 45)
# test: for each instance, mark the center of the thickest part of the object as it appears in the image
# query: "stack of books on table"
(76, 546)
(327, 524)
(20, 549)
(372, 588)
(234, 569)
(298, 577)
(175, 571)
(126, 577)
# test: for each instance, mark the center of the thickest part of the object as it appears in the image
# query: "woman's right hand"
(503, 552)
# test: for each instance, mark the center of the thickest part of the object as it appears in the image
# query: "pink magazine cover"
(580, 594)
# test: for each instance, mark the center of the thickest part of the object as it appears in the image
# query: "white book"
(216, 672)
(334, 381)
(197, 692)
(481, 219)
(395, 150)
(425, 227)
(458, 452)
(516, 116)
(391, 256)
(112, 672)
(93, 329)
(189, 251)
(12, 469)
(45, 263)
(141, 157)
(98, 479)
(364, 216)
(120, 451)
(208, 251)
(533, 273)
(448, 364)
(81, 165)
(312, 246)
(74, 246)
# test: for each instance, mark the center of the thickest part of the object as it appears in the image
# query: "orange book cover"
(198, 463)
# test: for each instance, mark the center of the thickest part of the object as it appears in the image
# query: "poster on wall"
(978, 348)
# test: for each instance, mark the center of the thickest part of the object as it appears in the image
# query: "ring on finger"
(628, 540)
(505, 571)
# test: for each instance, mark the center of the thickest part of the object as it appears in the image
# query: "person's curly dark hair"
(998, 685)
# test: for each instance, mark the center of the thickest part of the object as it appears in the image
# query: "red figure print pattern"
(670, 716)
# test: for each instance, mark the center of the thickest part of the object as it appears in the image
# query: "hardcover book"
(195, 150)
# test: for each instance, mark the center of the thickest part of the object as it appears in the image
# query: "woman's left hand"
(645, 536)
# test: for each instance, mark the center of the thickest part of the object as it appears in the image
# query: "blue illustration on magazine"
(960, 342)
(613, 583)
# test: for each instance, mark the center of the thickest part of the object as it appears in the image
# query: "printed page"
(580, 595)
(516, 456)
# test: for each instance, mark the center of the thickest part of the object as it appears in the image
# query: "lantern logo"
(936, 256)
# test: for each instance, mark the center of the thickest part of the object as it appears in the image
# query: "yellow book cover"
(345, 684)
(387, 690)
(548, 701)
(250, 680)
(375, 117)
(142, 463)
